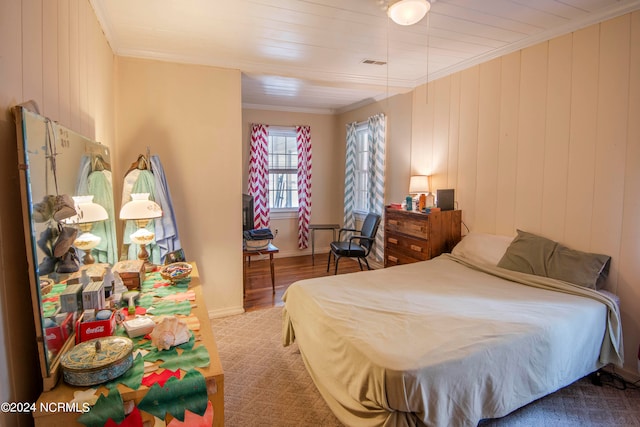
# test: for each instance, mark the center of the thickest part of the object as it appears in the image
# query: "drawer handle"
(393, 222)
(392, 240)
(416, 248)
(392, 258)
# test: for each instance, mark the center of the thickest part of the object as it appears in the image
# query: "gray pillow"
(532, 254)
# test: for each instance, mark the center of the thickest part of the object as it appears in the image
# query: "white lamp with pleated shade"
(88, 213)
(141, 210)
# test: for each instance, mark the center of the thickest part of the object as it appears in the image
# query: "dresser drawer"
(393, 257)
(409, 246)
(400, 222)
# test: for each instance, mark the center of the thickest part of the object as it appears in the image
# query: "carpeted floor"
(266, 384)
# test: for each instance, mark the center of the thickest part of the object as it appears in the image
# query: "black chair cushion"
(347, 249)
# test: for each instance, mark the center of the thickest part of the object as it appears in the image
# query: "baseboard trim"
(628, 375)
(224, 312)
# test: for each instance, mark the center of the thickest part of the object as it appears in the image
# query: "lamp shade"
(87, 211)
(408, 12)
(140, 207)
(419, 184)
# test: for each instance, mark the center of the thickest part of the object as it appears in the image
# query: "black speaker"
(445, 199)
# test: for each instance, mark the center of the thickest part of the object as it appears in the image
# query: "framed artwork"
(175, 256)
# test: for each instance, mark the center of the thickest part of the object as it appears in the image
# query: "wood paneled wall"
(52, 52)
(547, 139)
(67, 66)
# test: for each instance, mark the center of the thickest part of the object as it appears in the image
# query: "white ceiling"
(307, 55)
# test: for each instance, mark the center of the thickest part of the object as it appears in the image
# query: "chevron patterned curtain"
(376, 126)
(303, 139)
(350, 178)
(259, 174)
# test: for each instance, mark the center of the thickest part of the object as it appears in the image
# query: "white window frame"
(288, 132)
(362, 169)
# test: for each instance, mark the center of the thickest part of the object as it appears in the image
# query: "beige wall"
(326, 185)
(190, 116)
(53, 52)
(547, 140)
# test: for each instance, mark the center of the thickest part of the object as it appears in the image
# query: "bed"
(449, 341)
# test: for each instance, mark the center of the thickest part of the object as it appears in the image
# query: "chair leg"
(337, 259)
(329, 261)
(360, 264)
(367, 262)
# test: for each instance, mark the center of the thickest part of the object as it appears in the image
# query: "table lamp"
(88, 213)
(421, 184)
(141, 210)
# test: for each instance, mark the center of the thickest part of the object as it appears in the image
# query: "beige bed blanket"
(443, 343)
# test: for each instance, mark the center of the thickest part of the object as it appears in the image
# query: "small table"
(313, 228)
(246, 256)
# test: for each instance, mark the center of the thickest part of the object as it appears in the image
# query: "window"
(283, 168)
(362, 168)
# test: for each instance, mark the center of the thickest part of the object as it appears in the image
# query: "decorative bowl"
(256, 245)
(46, 285)
(176, 271)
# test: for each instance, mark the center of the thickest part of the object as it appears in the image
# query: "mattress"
(445, 342)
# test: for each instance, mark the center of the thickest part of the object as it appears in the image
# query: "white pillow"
(482, 248)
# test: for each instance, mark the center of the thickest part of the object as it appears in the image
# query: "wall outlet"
(276, 232)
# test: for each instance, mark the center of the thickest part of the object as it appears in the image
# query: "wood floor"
(287, 270)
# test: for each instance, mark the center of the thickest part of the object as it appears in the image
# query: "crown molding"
(288, 109)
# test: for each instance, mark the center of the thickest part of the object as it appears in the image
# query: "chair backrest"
(369, 229)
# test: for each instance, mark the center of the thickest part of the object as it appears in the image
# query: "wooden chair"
(358, 245)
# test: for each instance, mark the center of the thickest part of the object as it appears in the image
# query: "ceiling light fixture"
(408, 12)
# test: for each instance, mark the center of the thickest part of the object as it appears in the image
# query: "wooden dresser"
(413, 236)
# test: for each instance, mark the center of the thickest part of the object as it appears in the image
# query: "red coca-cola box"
(95, 329)
(56, 336)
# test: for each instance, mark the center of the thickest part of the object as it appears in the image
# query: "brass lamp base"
(88, 258)
(143, 255)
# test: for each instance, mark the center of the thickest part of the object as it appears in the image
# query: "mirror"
(56, 161)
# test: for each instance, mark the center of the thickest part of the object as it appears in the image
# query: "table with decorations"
(162, 369)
